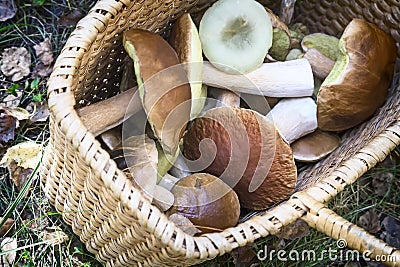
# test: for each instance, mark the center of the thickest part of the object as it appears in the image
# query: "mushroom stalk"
(294, 117)
(321, 65)
(279, 79)
(104, 115)
(225, 97)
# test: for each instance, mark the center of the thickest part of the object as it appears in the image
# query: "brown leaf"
(40, 111)
(70, 19)
(244, 256)
(42, 70)
(12, 100)
(43, 51)
(391, 233)
(18, 174)
(45, 55)
(381, 182)
(370, 221)
(296, 230)
(184, 223)
(54, 236)
(7, 9)
(6, 229)
(15, 63)
(8, 123)
(8, 244)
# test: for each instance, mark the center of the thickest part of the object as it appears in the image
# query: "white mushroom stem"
(321, 65)
(106, 114)
(294, 117)
(180, 168)
(168, 181)
(224, 97)
(279, 79)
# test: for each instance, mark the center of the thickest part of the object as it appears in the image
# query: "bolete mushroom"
(244, 149)
(184, 38)
(358, 83)
(236, 35)
(107, 114)
(138, 158)
(209, 203)
(294, 117)
(163, 85)
(315, 146)
(279, 79)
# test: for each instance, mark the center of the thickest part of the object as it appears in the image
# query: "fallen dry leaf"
(18, 174)
(26, 154)
(12, 100)
(70, 19)
(370, 221)
(15, 63)
(391, 233)
(54, 236)
(296, 230)
(44, 53)
(39, 111)
(184, 224)
(20, 113)
(8, 244)
(244, 256)
(8, 124)
(381, 182)
(7, 9)
(6, 229)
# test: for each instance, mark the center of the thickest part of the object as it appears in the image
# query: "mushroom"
(321, 65)
(279, 79)
(280, 37)
(315, 146)
(138, 158)
(163, 85)
(209, 203)
(184, 38)
(294, 117)
(106, 114)
(243, 149)
(327, 45)
(358, 83)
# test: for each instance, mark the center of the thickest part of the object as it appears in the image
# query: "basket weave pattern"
(112, 218)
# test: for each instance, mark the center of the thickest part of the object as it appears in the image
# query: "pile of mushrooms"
(226, 133)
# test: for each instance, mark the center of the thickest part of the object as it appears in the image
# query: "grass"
(32, 214)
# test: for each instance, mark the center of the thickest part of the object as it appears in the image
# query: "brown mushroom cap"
(250, 156)
(167, 106)
(315, 146)
(206, 201)
(358, 84)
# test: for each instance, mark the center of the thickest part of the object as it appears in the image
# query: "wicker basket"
(111, 217)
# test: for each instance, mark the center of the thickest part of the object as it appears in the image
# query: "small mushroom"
(242, 148)
(279, 79)
(358, 83)
(315, 146)
(209, 203)
(294, 117)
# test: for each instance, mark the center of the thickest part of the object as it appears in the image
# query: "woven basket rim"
(62, 104)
